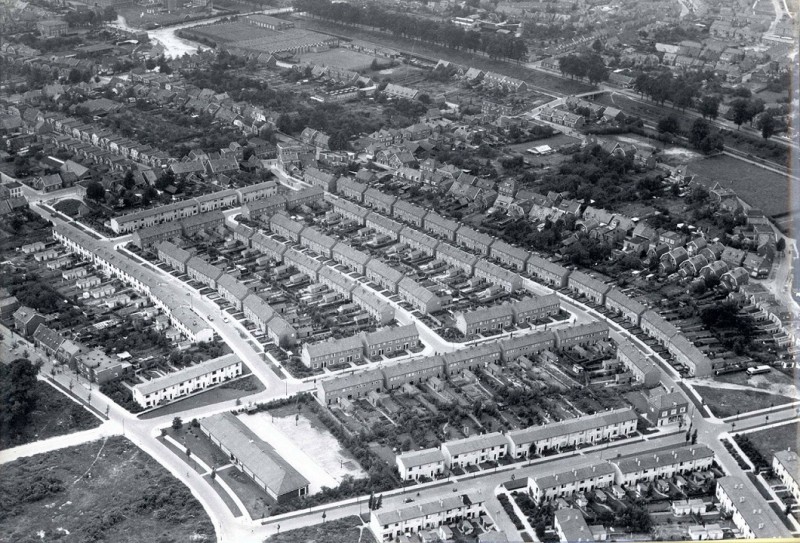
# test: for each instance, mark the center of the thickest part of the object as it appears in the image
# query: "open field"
(309, 447)
(768, 191)
(341, 58)
(776, 439)
(726, 402)
(103, 491)
(55, 415)
(345, 530)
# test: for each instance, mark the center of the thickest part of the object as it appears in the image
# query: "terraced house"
(389, 341)
(332, 352)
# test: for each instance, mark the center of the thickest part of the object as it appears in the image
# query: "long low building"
(565, 483)
(428, 463)
(254, 457)
(751, 513)
(415, 517)
(589, 429)
(662, 464)
(187, 381)
(475, 450)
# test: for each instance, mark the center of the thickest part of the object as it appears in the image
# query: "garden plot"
(311, 450)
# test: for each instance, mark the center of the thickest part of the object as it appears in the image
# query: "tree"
(766, 123)
(379, 502)
(597, 46)
(177, 423)
(669, 124)
(95, 191)
(709, 107)
(18, 395)
(597, 71)
(128, 181)
(781, 245)
(371, 502)
(338, 141)
(740, 111)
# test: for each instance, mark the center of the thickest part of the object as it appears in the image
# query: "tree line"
(442, 33)
(588, 65)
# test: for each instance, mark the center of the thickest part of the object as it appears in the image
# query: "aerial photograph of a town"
(411, 271)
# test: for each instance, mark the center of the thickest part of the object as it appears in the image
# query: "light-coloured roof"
(186, 374)
(392, 333)
(259, 458)
(422, 509)
(573, 475)
(333, 346)
(420, 458)
(674, 456)
(535, 434)
(475, 443)
(755, 511)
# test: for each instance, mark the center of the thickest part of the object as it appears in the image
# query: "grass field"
(345, 530)
(768, 191)
(341, 58)
(107, 490)
(726, 402)
(55, 415)
(776, 439)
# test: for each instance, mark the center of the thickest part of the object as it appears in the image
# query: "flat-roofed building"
(567, 482)
(173, 256)
(428, 463)
(490, 320)
(582, 334)
(349, 257)
(549, 273)
(332, 352)
(282, 225)
(474, 450)
(439, 226)
(588, 286)
(100, 368)
(201, 271)
(390, 341)
(187, 381)
(254, 457)
(662, 464)
(588, 429)
(510, 255)
(353, 386)
(527, 345)
(628, 308)
(389, 524)
(409, 213)
(751, 513)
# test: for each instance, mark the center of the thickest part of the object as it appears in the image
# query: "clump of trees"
(442, 33)
(588, 65)
(18, 395)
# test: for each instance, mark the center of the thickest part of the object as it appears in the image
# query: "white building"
(415, 517)
(475, 450)
(425, 463)
(188, 380)
(557, 485)
(784, 464)
(750, 513)
(662, 464)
